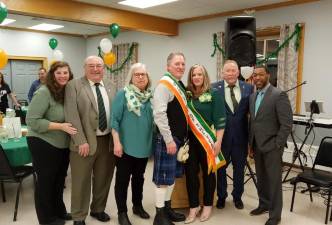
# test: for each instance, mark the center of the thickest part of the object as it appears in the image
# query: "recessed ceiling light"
(45, 27)
(7, 21)
(142, 4)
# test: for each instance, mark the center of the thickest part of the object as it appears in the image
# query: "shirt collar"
(236, 84)
(264, 89)
(93, 83)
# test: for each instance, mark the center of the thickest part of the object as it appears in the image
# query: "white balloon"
(246, 71)
(58, 55)
(105, 45)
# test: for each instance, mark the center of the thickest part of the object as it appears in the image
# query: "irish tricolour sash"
(199, 127)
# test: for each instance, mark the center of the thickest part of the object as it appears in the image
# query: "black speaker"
(240, 40)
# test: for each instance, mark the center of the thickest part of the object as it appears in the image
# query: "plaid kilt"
(166, 168)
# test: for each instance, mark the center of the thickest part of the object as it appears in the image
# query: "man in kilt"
(169, 111)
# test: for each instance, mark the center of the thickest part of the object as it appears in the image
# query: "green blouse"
(135, 132)
(212, 111)
(43, 109)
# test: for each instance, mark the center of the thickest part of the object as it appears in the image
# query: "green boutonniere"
(205, 97)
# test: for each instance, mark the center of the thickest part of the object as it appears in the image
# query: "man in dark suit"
(88, 105)
(235, 141)
(270, 125)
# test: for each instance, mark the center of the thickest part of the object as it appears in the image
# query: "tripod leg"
(252, 174)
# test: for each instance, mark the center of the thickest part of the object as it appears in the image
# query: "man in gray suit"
(87, 107)
(270, 125)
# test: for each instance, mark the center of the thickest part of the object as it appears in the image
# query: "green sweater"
(43, 109)
(213, 112)
(135, 132)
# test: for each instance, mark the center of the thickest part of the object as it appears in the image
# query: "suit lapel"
(264, 100)
(108, 90)
(88, 90)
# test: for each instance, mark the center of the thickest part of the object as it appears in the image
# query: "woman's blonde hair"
(206, 81)
(133, 69)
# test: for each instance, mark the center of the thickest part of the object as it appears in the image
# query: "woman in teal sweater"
(210, 106)
(132, 124)
(48, 140)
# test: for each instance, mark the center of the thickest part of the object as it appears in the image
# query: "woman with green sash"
(206, 111)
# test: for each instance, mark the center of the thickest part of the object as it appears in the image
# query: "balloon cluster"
(106, 45)
(57, 54)
(3, 59)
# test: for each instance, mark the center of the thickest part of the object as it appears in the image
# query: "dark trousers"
(128, 166)
(238, 156)
(269, 185)
(50, 164)
(197, 158)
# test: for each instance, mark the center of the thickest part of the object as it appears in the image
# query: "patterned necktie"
(234, 101)
(259, 99)
(101, 109)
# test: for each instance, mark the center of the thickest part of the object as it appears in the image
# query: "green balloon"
(114, 29)
(53, 43)
(3, 12)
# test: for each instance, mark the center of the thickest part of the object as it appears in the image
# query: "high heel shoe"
(192, 215)
(206, 213)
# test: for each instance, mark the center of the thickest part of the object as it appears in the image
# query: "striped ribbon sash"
(199, 127)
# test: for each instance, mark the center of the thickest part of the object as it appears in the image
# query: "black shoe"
(66, 217)
(172, 215)
(123, 219)
(238, 204)
(258, 211)
(272, 221)
(139, 210)
(80, 222)
(221, 203)
(101, 216)
(161, 217)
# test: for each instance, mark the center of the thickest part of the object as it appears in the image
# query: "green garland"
(217, 46)
(296, 33)
(130, 54)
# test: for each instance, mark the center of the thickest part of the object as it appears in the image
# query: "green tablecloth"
(17, 152)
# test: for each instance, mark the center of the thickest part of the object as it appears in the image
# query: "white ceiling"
(183, 9)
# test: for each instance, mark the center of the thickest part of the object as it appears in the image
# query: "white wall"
(20, 43)
(195, 41)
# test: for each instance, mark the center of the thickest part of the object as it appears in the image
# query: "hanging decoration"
(114, 29)
(3, 12)
(105, 45)
(130, 54)
(109, 59)
(58, 55)
(217, 46)
(296, 34)
(53, 43)
(3, 59)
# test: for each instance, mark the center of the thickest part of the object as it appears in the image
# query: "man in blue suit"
(235, 141)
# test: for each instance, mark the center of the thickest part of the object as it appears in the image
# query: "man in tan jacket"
(87, 107)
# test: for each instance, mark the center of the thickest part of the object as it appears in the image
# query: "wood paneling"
(91, 14)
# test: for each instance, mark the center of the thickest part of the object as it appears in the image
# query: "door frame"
(30, 58)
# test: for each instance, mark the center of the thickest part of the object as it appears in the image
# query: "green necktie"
(234, 101)
(101, 109)
(259, 99)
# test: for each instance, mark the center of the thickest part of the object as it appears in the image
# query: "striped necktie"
(101, 109)
(234, 101)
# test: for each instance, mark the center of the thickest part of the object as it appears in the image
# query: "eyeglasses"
(93, 66)
(140, 75)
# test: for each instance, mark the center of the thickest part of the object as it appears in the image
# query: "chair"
(316, 177)
(9, 174)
